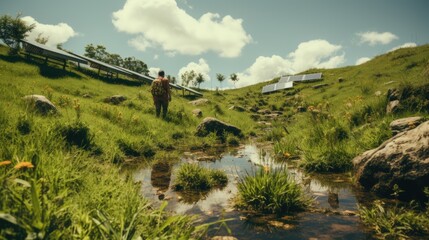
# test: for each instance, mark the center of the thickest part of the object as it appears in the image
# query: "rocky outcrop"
(402, 160)
(199, 102)
(213, 125)
(41, 104)
(115, 99)
(405, 124)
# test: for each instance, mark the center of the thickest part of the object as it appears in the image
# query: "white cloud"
(200, 67)
(163, 23)
(156, 57)
(374, 38)
(405, 45)
(153, 71)
(263, 69)
(312, 54)
(140, 43)
(362, 60)
(56, 34)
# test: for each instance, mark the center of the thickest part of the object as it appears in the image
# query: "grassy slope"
(133, 124)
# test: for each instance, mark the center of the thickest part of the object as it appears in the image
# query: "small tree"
(234, 78)
(200, 79)
(220, 77)
(187, 77)
(12, 31)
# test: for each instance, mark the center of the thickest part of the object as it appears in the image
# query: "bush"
(195, 177)
(272, 191)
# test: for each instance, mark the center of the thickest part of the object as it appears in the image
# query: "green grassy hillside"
(60, 173)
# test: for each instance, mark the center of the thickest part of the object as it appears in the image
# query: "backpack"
(157, 88)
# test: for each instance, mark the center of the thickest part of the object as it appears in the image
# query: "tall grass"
(395, 222)
(195, 177)
(271, 191)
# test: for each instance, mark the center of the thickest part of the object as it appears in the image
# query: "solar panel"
(277, 87)
(300, 78)
(43, 50)
(134, 74)
(102, 65)
(284, 79)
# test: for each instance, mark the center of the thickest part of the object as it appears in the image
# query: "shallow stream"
(333, 216)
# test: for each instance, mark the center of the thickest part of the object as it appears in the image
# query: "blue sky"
(258, 40)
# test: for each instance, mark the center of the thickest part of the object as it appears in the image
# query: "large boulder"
(402, 160)
(41, 104)
(115, 99)
(199, 102)
(213, 125)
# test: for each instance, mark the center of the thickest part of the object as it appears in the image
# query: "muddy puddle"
(333, 217)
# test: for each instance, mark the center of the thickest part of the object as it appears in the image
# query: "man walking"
(161, 94)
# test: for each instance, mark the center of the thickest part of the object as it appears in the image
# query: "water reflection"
(160, 178)
(333, 192)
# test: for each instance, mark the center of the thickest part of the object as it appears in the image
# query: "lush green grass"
(195, 177)
(395, 222)
(271, 191)
(73, 190)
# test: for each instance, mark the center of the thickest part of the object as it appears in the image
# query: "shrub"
(272, 191)
(195, 177)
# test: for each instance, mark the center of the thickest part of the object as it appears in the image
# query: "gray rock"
(405, 124)
(301, 109)
(378, 93)
(402, 160)
(41, 104)
(115, 99)
(264, 111)
(197, 112)
(213, 125)
(199, 102)
(392, 106)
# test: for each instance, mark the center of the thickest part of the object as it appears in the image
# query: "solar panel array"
(286, 82)
(277, 86)
(43, 50)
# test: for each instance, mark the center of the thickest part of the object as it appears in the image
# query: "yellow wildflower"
(286, 155)
(24, 165)
(4, 163)
(266, 168)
